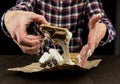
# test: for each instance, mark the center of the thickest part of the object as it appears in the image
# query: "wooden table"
(108, 72)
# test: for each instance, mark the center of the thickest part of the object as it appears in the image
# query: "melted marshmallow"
(59, 36)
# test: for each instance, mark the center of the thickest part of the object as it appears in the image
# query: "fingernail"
(89, 53)
(38, 51)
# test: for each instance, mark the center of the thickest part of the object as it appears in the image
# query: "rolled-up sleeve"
(95, 7)
(26, 5)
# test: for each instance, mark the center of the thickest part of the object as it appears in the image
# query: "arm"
(101, 31)
(25, 5)
(95, 7)
(17, 19)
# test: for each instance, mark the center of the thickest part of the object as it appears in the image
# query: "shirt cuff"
(4, 27)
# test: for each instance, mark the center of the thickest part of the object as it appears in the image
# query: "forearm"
(95, 7)
(25, 5)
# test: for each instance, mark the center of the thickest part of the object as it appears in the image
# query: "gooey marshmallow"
(50, 33)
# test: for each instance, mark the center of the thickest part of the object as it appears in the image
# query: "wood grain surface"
(106, 73)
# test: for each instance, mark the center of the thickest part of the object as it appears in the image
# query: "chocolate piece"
(53, 31)
(48, 62)
(43, 65)
(55, 62)
(59, 34)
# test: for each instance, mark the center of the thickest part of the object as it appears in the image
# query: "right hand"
(16, 23)
(97, 31)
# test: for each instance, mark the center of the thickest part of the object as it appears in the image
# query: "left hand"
(97, 31)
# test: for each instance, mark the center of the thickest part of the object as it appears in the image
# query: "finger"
(38, 18)
(92, 48)
(26, 40)
(84, 59)
(92, 43)
(32, 46)
(30, 50)
(93, 38)
(32, 37)
(38, 38)
(26, 50)
(83, 55)
(94, 20)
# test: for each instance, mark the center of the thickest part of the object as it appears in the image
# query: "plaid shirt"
(71, 14)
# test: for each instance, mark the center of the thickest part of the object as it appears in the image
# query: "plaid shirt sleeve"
(26, 5)
(3, 27)
(92, 7)
(95, 7)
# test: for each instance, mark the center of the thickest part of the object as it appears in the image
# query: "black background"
(7, 46)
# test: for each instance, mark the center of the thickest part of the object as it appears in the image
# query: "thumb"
(94, 19)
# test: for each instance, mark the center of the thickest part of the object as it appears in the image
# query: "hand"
(96, 32)
(16, 23)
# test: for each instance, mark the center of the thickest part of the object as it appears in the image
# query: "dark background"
(7, 46)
